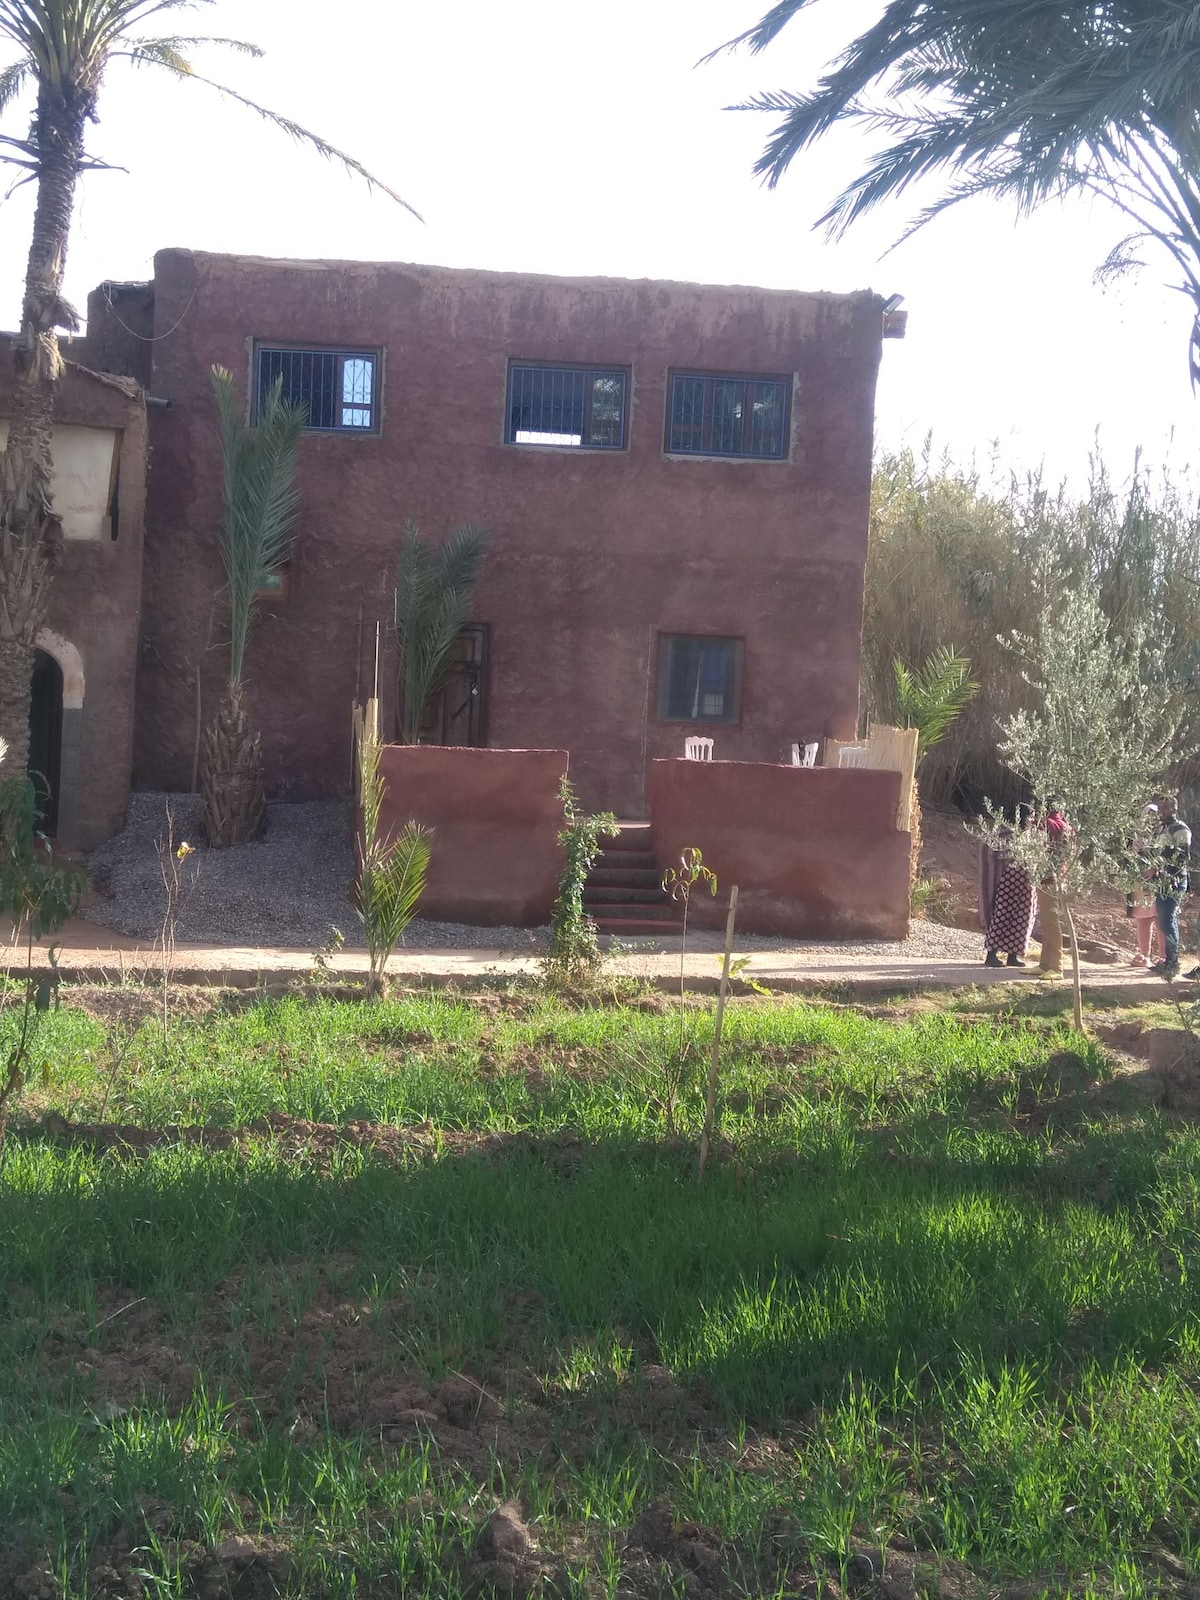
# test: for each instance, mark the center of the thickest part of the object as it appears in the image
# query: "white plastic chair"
(697, 749)
(805, 755)
(852, 755)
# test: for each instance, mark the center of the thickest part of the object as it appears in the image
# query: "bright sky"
(584, 140)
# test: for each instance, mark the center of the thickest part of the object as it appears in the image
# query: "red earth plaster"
(495, 859)
(814, 851)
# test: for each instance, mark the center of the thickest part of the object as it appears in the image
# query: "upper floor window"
(339, 388)
(721, 416)
(580, 407)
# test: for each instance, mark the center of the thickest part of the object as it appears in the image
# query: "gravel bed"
(288, 888)
(292, 886)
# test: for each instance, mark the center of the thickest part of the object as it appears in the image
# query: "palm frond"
(260, 501)
(930, 698)
(168, 52)
(69, 42)
(459, 557)
(1023, 98)
(294, 130)
(763, 32)
(12, 81)
(391, 882)
(391, 872)
(434, 587)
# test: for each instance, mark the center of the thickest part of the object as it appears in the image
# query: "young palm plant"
(931, 697)
(60, 50)
(434, 585)
(391, 871)
(256, 539)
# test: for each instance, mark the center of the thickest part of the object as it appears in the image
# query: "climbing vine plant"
(574, 953)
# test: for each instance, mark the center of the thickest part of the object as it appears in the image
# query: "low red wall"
(814, 851)
(495, 858)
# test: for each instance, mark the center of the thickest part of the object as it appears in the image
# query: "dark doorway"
(458, 712)
(45, 738)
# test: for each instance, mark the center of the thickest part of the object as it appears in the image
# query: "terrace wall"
(815, 852)
(495, 858)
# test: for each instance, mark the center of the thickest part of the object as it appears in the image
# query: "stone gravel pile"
(288, 888)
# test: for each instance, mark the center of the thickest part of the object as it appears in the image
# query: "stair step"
(643, 926)
(612, 877)
(644, 860)
(631, 910)
(623, 894)
(633, 836)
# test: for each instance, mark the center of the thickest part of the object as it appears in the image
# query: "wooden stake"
(714, 1065)
(1076, 976)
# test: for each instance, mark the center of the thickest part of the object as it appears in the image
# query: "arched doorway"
(45, 737)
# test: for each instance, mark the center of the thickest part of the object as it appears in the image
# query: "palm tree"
(1030, 99)
(256, 539)
(433, 601)
(62, 49)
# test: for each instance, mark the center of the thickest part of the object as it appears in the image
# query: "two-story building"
(676, 476)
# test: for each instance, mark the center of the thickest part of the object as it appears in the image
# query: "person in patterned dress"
(1007, 907)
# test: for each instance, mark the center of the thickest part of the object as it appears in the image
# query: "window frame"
(662, 688)
(342, 354)
(785, 380)
(280, 589)
(588, 371)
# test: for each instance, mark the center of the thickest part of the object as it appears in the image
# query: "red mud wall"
(495, 857)
(814, 850)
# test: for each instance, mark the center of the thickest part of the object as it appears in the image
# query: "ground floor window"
(699, 678)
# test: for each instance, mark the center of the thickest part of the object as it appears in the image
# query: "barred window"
(580, 407)
(699, 679)
(719, 416)
(337, 387)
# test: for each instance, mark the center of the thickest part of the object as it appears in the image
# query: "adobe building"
(82, 712)
(676, 476)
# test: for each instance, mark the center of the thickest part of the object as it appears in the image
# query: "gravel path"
(291, 887)
(288, 888)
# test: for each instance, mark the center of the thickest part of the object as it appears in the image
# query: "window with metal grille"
(699, 679)
(718, 416)
(580, 407)
(337, 387)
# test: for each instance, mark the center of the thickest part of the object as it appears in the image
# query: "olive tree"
(1099, 736)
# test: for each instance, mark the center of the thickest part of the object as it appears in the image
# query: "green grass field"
(932, 1325)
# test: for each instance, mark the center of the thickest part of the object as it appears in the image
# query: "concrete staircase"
(624, 891)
